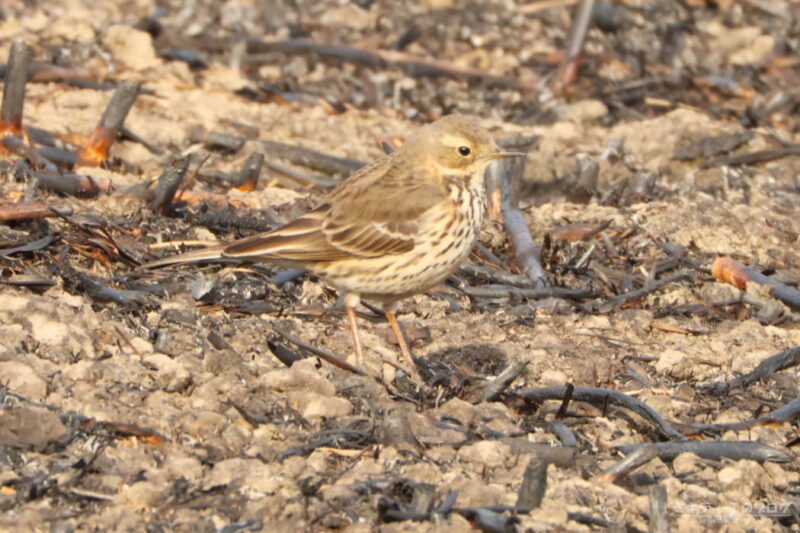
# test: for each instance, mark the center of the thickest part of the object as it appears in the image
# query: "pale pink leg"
(351, 301)
(351, 318)
(403, 346)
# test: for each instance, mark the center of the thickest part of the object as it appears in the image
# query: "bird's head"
(458, 145)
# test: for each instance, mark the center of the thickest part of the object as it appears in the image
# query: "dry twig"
(16, 75)
(602, 397)
(728, 270)
(251, 171)
(168, 184)
(415, 66)
(493, 389)
(767, 367)
(311, 158)
(568, 69)
(783, 414)
(717, 450)
(527, 254)
(631, 462)
(658, 509)
(95, 151)
(319, 352)
(609, 304)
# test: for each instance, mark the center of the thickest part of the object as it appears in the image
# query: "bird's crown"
(454, 142)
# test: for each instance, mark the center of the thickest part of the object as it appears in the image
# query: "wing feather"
(300, 240)
(374, 212)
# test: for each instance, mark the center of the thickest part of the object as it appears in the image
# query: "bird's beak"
(504, 154)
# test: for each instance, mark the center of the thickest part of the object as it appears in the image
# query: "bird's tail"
(212, 253)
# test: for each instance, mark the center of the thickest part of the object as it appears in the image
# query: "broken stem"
(19, 60)
(95, 151)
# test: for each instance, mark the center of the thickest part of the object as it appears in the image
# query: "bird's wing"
(300, 240)
(213, 253)
(374, 212)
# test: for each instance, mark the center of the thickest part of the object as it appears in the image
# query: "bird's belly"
(444, 241)
(383, 279)
(393, 277)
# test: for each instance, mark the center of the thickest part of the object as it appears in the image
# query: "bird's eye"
(464, 150)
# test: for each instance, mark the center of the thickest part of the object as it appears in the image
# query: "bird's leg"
(402, 341)
(351, 301)
(351, 318)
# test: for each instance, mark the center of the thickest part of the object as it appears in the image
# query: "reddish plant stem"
(568, 70)
(728, 270)
(95, 151)
(527, 254)
(30, 210)
(16, 76)
(248, 178)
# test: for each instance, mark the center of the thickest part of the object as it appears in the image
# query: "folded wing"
(375, 212)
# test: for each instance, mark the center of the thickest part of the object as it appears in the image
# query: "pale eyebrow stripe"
(452, 140)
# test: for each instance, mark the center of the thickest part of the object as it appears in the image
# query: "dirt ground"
(168, 408)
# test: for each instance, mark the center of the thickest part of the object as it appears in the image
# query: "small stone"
(296, 466)
(685, 463)
(729, 475)
(313, 405)
(172, 375)
(585, 111)
(131, 47)
(775, 477)
(250, 474)
(224, 472)
(551, 512)
(553, 378)
(741, 481)
(474, 492)
(676, 364)
(180, 464)
(434, 5)
(141, 345)
(12, 302)
(757, 52)
(487, 453)
(31, 427)
(338, 493)
(464, 412)
(348, 15)
(72, 30)
(301, 376)
(219, 361)
(7, 477)
(46, 330)
(441, 454)
(144, 494)
(201, 424)
(688, 522)
(23, 380)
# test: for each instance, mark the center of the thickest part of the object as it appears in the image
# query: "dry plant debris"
(620, 352)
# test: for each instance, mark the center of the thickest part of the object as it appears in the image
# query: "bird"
(392, 229)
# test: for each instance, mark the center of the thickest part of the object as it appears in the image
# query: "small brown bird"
(392, 229)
